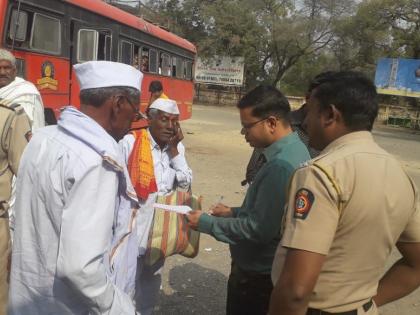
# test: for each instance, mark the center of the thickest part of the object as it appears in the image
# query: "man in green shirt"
(253, 230)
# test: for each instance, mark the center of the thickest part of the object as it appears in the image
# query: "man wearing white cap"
(73, 251)
(170, 171)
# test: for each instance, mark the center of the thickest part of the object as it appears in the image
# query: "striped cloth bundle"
(170, 233)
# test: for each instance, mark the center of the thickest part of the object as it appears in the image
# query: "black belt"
(313, 311)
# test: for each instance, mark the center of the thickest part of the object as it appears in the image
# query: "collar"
(276, 147)
(17, 88)
(87, 130)
(355, 136)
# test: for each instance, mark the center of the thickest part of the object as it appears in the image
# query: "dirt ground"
(218, 155)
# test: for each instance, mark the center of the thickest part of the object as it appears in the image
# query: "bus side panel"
(3, 7)
(180, 90)
(50, 75)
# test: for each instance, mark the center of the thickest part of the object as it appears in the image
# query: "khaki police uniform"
(352, 204)
(15, 130)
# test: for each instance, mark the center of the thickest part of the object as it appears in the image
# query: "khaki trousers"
(4, 261)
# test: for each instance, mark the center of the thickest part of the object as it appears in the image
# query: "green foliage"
(286, 42)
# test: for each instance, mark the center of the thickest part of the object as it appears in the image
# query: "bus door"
(89, 42)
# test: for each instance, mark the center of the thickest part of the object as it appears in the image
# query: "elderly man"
(75, 204)
(14, 134)
(170, 171)
(15, 90)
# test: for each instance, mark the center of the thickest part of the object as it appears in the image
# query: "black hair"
(319, 79)
(266, 101)
(353, 94)
(96, 97)
(155, 86)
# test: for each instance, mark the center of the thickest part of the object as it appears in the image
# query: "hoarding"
(398, 77)
(220, 71)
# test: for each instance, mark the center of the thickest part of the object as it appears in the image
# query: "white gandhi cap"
(100, 74)
(165, 105)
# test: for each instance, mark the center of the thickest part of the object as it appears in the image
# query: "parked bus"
(49, 36)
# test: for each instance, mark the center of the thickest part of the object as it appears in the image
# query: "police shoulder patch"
(303, 203)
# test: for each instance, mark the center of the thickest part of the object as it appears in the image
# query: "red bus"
(49, 36)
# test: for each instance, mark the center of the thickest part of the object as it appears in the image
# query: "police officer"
(347, 209)
(15, 132)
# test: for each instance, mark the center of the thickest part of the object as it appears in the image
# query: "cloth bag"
(170, 233)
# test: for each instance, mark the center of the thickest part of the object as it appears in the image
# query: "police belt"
(313, 311)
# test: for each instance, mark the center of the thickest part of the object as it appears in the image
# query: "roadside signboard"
(220, 71)
(398, 77)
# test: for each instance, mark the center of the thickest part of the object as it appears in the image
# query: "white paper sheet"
(178, 209)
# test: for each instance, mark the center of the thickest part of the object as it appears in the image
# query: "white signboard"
(220, 70)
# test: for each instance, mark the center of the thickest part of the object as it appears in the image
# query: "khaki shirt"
(352, 204)
(15, 131)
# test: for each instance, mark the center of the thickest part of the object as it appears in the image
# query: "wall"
(230, 97)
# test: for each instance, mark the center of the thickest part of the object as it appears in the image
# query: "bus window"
(165, 64)
(126, 52)
(46, 34)
(144, 59)
(153, 64)
(87, 45)
(179, 68)
(188, 68)
(18, 25)
(174, 66)
(137, 58)
(20, 68)
(104, 47)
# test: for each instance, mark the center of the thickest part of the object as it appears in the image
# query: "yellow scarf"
(140, 165)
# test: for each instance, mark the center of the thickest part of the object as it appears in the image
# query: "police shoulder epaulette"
(305, 164)
(311, 161)
(7, 107)
(17, 108)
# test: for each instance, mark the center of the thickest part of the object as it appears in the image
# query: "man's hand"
(221, 210)
(193, 217)
(176, 138)
(403, 277)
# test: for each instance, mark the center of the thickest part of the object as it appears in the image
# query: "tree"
(298, 32)
(285, 41)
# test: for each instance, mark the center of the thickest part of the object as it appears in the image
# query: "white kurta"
(73, 205)
(170, 174)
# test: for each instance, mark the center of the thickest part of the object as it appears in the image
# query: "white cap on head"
(165, 105)
(100, 74)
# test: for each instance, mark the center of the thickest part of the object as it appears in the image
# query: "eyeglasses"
(137, 114)
(250, 125)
